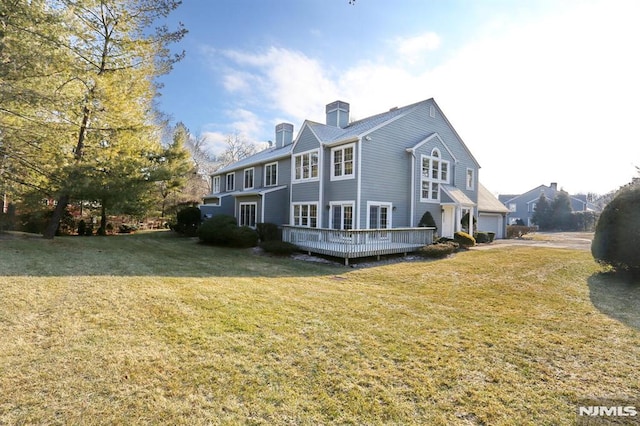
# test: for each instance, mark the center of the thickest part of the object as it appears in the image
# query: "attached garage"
(491, 222)
(492, 213)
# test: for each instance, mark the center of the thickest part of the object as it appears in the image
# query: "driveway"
(570, 240)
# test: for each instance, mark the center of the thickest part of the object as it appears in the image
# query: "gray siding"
(306, 141)
(305, 191)
(276, 205)
(386, 174)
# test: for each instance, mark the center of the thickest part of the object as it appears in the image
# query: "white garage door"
(490, 223)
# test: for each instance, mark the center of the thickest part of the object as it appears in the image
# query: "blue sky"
(540, 91)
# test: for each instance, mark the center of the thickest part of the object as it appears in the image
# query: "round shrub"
(218, 230)
(244, 237)
(615, 242)
(188, 220)
(279, 248)
(268, 231)
(464, 239)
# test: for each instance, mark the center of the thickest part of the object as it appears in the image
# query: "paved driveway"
(572, 240)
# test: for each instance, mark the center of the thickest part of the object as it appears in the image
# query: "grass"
(154, 329)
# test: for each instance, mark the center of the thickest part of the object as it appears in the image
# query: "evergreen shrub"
(464, 239)
(617, 235)
(278, 248)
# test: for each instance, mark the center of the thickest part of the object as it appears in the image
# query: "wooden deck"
(354, 243)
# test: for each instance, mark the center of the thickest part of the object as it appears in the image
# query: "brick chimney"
(338, 114)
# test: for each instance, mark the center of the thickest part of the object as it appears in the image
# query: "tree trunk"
(103, 220)
(52, 226)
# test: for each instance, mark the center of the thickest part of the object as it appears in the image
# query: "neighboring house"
(381, 172)
(521, 207)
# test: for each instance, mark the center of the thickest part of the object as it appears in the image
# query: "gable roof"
(487, 202)
(331, 134)
(264, 156)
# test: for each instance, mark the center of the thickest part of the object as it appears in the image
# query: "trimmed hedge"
(278, 248)
(438, 250)
(464, 239)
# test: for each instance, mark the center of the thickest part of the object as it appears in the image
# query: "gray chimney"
(338, 114)
(554, 186)
(284, 134)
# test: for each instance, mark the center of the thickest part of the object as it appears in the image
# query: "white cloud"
(413, 47)
(547, 100)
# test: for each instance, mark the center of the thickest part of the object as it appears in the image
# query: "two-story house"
(522, 206)
(381, 172)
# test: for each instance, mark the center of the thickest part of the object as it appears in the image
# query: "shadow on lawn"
(161, 253)
(616, 295)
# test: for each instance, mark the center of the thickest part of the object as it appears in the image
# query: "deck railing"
(354, 243)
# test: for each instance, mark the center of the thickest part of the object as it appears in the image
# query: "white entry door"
(448, 221)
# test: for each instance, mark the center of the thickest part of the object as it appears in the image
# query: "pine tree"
(542, 213)
(115, 59)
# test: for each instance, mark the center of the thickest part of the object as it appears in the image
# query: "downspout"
(263, 201)
(320, 186)
(358, 183)
(413, 183)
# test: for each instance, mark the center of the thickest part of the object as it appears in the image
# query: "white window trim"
(293, 167)
(266, 166)
(388, 205)
(215, 185)
(352, 175)
(226, 186)
(350, 203)
(251, 203)
(253, 177)
(473, 179)
(305, 203)
(429, 179)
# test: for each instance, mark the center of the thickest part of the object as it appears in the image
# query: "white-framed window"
(432, 111)
(231, 181)
(306, 166)
(342, 214)
(379, 215)
(342, 161)
(215, 184)
(513, 207)
(271, 174)
(248, 214)
(305, 214)
(471, 179)
(248, 178)
(435, 172)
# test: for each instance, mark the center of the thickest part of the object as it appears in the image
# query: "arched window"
(435, 171)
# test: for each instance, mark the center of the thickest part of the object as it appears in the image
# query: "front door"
(448, 221)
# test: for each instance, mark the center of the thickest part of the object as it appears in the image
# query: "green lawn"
(155, 329)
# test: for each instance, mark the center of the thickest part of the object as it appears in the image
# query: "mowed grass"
(155, 329)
